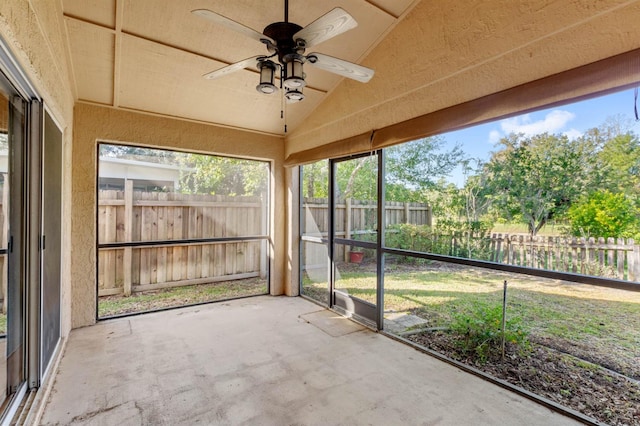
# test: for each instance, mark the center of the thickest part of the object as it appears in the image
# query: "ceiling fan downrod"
(286, 10)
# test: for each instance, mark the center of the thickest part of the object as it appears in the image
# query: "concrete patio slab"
(266, 361)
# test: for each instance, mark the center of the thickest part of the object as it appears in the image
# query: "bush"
(604, 214)
(452, 238)
(481, 332)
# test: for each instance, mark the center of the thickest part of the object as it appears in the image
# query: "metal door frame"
(338, 300)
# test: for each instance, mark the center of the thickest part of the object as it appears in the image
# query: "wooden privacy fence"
(132, 217)
(355, 216)
(356, 219)
(603, 257)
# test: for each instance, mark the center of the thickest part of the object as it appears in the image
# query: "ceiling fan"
(286, 43)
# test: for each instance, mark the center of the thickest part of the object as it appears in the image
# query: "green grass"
(592, 322)
(521, 228)
(179, 296)
(3, 324)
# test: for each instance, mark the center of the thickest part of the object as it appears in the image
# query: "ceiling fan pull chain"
(283, 108)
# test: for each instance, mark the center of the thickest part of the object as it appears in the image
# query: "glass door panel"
(354, 209)
(314, 229)
(12, 134)
(4, 237)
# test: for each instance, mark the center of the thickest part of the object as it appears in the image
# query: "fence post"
(509, 249)
(611, 254)
(347, 227)
(521, 251)
(498, 251)
(407, 218)
(620, 255)
(264, 229)
(574, 255)
(128, 233)
(633, 261)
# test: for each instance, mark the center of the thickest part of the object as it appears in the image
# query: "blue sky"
(572, 120)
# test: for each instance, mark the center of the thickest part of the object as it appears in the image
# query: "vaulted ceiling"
(150, 55)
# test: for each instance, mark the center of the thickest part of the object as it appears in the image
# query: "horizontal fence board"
(132, 216)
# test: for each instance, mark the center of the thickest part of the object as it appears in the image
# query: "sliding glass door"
(12, 318)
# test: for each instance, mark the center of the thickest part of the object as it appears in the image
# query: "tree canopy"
(534, 179)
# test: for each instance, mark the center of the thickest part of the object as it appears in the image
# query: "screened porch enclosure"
(202, 236)
(469, 284)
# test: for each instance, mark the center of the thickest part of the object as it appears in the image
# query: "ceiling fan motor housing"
(282, 33)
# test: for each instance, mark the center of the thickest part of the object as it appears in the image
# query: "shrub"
(481, 332)
(604, 214)
(454, 238)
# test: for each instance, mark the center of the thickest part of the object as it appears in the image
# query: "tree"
(315, 179)
(150, 155)
(477, 198)
(619, 161)
(536, 178)
(410, 170)
(414, 167)
(208, 174)
(604, 214)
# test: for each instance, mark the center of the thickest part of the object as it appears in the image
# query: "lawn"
(179, 296)
(598, 324)
(581, 344)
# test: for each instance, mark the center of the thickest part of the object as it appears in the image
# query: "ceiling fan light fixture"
(294, 75)
(267, 75)
(286, 43)
(294, 95)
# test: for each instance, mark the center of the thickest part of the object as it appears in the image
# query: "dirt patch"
(572, 382)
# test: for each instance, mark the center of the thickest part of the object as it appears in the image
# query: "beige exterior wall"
(448, 52)
(93, 124)
(34, 33)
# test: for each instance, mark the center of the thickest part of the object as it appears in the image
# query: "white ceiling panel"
(164, 80)
(92, 56)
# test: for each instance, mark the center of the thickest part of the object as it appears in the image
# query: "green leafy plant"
(604, 214)
(481, 332)
(449, 237)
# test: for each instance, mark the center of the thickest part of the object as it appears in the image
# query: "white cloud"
(573, 134)
(494, 136)
(553, 122)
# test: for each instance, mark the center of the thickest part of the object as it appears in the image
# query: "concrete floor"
(266, 361)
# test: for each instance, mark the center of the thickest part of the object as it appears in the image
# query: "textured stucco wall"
(93, 124)
(34, 33)
(448, 52)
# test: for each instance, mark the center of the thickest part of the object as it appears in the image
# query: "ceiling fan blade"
(340, 67)
(247, 63)
(231, 24)
(327, 26)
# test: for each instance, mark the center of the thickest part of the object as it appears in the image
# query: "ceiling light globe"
(294, 83)
(294, 96)
(267, 88)
(293, 72)
(267, 74)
